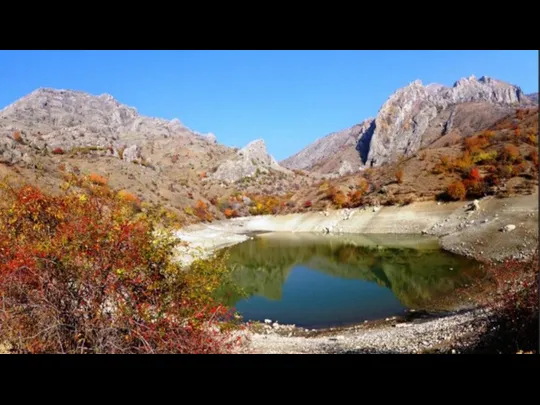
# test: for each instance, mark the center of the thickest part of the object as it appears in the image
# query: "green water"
(316, 281)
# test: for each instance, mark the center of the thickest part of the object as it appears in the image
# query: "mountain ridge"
(410, 112)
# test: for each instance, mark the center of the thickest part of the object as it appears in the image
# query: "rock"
(131, 153)
(250, 160)
(345, 168)
(275, 325)
(407, 114)
(508, 228)
(267, 321)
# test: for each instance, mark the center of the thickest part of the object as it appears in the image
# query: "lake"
(318, 281)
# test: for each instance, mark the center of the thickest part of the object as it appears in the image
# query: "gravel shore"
(451, 333)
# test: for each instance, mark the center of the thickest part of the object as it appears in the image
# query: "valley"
(457, 164)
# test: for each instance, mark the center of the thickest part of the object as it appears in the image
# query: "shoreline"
(477, 230)
(474, 230)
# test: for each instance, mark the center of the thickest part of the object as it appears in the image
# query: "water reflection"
(274, 273)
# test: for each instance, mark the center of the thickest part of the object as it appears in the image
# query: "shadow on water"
(317, 280)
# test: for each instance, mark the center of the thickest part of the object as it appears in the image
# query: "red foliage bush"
(84, 274)
(308, 204)
(58, 151)
(475, 174)
(512, 302)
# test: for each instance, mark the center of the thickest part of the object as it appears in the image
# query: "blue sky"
(288, 98)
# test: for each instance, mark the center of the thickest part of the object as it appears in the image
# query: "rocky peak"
(405, 116)
(250, 160)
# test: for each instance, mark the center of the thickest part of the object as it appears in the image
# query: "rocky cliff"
(412, 118)
(407, 114)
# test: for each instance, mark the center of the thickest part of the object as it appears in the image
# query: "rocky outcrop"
(533, 97)
(412, 118)
(406, 115)
(249, 160)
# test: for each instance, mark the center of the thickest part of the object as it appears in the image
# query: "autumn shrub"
(58, 151)
(510, 153)
(475, 143)
(324, 186)
(474, 174)
(229, 213)
(488, 134)
(464, 163)
(337, 196)
(17, 137)
(201, 211)
(308, 204)
(355, 198)
(456, 191)
(475, 188)
(362, 185)
(532, 139)
(484, 157)
(85, 273)
(97, 179)
(518, 169)
(512, 305)
(505, 171)
(128, 197)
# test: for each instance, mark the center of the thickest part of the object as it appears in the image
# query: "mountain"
(413, 118)
(51, 133)
(340, 144)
